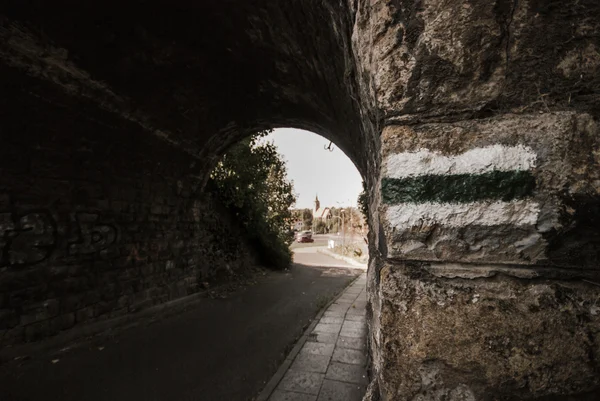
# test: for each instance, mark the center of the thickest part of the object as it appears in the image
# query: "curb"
(283, 368)
(346, 259)
(79, 335)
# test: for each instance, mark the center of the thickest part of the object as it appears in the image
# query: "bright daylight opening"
(327, 216)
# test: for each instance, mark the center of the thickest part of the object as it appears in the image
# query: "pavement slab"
(331, 364)
(349, 356)
(302, 382)
(307, 362)
(347, 373)
(332, 390)
(352, 343)
(281, 395)
(318, 348)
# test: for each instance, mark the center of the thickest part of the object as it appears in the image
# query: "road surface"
(321, 240)
(221, 349)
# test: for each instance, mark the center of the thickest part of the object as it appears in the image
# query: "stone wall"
(474, 124)
(490, 286)
(482, 336)
(97, 218)
(485, 282)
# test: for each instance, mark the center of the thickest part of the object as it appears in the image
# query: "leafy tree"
(363, 201)
(307, 219)
(320, 227)
(251, 180)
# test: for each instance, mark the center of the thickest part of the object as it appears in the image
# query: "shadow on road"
(217, 349)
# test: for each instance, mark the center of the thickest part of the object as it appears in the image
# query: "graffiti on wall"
(93, 235)
(31, 237)
(26, 238)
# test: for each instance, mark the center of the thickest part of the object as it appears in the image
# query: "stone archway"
(476, 293)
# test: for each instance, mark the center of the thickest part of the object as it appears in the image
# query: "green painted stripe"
(459, 188)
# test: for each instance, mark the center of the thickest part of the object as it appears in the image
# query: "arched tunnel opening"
(474, 124)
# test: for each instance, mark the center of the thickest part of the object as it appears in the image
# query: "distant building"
(320, 213)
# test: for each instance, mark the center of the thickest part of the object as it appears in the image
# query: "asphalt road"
(321, 240)
(221, 349)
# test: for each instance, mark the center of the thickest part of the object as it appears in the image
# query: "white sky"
(316, 171)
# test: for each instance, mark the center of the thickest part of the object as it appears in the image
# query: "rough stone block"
(477, 337)
(14, 336)
(84, 314)
(71, 302)
(62, 322)
(522, 189)
(10, 319)
(37, 331)
(104, 307)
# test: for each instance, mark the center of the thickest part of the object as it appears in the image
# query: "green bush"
(251, 181)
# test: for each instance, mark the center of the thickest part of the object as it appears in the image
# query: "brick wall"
(98, 218)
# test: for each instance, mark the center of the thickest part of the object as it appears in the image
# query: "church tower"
(317, 203)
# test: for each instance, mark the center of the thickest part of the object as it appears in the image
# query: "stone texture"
(118, 233)
(433, 59)
(549, 339)
(566, 152)
(109, 131)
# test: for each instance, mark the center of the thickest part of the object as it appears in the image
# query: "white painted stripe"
(474, 161)
(518, 213)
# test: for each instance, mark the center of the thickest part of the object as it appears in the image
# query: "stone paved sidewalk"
(331, 363)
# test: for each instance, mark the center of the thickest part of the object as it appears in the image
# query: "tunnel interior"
(205, 74)
(112, 118)
(105, 210)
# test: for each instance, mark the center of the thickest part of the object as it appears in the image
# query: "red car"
(304, 236)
